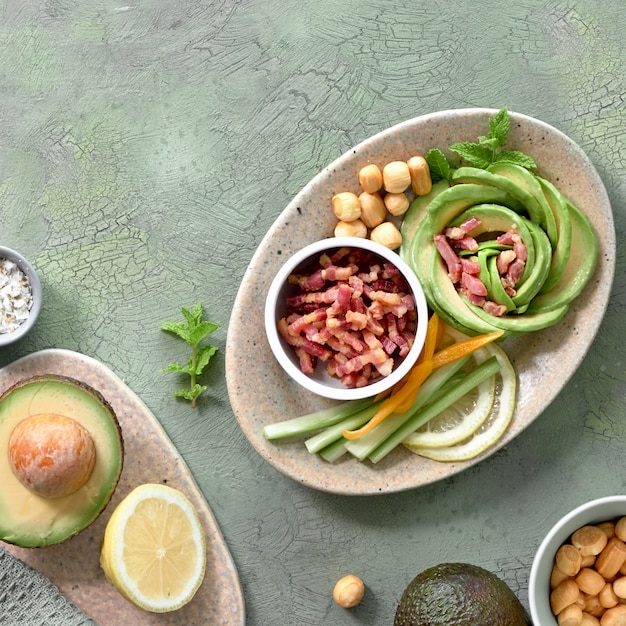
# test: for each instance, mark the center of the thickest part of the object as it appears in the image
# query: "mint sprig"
(482, 153)
(192, 331)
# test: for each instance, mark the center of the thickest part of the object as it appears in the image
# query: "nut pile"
(383, 197)
(588, 581)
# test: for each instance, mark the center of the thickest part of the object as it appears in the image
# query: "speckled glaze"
(149, 456)
(544, 361)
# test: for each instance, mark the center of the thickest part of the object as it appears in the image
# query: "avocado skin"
(459, 594)
(15, 536)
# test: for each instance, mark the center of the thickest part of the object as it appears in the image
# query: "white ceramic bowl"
(593, 512)
(36, 292)
(320, 382)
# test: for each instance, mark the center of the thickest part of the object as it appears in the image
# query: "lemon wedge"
(154, 551)
(460, 420)
(481, 436)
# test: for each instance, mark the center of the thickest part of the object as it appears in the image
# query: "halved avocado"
(30, 520)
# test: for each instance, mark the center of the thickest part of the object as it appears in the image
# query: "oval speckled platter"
(259, 391)
(149, 456)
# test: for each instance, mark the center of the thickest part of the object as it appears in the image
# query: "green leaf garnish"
(486, 151)
(192, 332)
(438, 164)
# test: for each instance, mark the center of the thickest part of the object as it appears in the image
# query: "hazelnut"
(348, 591)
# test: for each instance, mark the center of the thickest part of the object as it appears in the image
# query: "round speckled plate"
(149, 456)
(260, 393)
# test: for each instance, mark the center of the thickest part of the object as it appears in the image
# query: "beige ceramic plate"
(149, 456)
(260, 393)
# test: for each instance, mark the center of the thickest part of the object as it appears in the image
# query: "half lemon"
(154, 551)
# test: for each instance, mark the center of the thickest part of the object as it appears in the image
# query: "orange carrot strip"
(462, 348)
(404, 392)
(434, 331)
(432, 338)
(416, 377)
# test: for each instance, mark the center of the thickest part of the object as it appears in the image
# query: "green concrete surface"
(147, 146)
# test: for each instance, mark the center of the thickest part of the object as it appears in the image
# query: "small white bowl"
(320, 382)
(593, 512)
(27, 269)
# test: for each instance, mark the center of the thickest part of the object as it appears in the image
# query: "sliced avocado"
(521, 324)
(579, 269)
(453, 307)
(539, 269)
(415, 214)
(561, 252)
(458, 198)
(477, 176)
(528, 181)
(497, 293)
(459, 594)
(495, 219)
(30, 520)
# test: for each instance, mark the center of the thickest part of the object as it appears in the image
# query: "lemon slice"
(462, 419)
(492, 429)
(154, 550)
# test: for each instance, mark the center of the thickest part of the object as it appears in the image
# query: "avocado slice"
(539, 269)
(528, 181)
(30, 520)
(561, 252)
(579, 268)
(416, 212)
(521, 193)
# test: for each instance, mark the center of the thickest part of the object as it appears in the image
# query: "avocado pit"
(52, 455)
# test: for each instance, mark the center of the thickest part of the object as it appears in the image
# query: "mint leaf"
(192, 332)
(173, 367)
(190, 394)
(180, 329)
(499, 126)
(203, 357)
(438, 165)
(475, 154)
(516, 157)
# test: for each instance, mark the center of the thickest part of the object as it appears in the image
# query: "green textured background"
(145, 149)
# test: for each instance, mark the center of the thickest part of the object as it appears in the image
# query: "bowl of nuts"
(578, 575)
(20, 296)
(346, 318)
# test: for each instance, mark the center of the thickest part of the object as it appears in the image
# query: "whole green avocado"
(459, 594)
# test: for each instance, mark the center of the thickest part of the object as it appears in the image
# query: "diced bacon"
(494, 308)
(334, 273)
(470, 224)
(521, 252)
(470, 267)
(465, 243)
(504, 259)
(454, 232)
(342, 300)
(357, 321)
(516, 269)
(449, 256)
(475, 299)
(508, 238)
(308, 282)
(301, 322)
(473, 284)
(307, 364)
(310, 347)
(352, 312)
